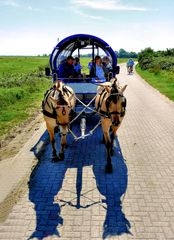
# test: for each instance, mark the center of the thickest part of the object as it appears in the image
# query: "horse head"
(116, 102)
(61, 104)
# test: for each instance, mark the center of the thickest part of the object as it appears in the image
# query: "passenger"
(97, 70)
(107, 64)
(90, 64)
(66, 69)
(77, 66)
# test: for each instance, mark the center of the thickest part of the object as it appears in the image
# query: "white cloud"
(30, 8)
(87, 15)
(12, 3)
(9, 3)
(114, 5)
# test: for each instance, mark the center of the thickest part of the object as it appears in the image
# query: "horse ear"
(107, 89)
(113, 81)
(123, 89)
(105, 84)
(57, 84)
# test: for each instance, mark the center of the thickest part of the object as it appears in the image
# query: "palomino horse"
(57, 107)
(111, 105)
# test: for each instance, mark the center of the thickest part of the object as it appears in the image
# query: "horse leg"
(62, 143)
(52, 140)
(103, 139)
(112, 141)
(113, 134)
(106, 128)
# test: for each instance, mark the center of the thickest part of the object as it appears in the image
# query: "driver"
(66, 69)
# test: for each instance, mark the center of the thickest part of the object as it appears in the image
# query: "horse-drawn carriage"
(73, 98)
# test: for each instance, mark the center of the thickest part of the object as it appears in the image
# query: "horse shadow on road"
(47, 179)
(113, 188)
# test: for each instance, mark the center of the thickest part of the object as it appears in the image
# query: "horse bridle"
(107, 114)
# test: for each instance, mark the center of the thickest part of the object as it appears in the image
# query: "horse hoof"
(56, 129)
(55, 159)
(61, 156)
(112, 152)
(103, 140)
(108, 168)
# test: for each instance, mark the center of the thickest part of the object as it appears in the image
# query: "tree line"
(124, 54)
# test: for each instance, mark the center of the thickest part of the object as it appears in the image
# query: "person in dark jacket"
(66, 69)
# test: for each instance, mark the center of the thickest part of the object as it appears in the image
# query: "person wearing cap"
(66, 69)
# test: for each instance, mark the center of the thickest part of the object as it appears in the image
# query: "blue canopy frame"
(68, 45)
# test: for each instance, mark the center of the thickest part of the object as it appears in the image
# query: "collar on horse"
(48, 114)
(108, 114)
(54, 114)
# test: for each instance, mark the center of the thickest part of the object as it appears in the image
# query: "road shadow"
(113, 188)
(45, 182)
(47, 178)
(81, 154)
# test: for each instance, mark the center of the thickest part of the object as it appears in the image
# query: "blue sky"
(32, 27)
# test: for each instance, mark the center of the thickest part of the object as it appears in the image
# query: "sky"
(34, 27)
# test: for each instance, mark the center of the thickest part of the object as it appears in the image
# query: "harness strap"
(48, 114)
(108, 114)
(102, 95)
(63, 124)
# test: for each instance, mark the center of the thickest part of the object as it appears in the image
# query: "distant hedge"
(153, 61)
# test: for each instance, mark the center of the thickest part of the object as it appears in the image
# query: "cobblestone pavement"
(76, 200)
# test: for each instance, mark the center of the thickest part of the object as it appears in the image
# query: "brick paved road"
(76, 200)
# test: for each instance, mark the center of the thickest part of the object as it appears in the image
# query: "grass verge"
(162, 81)
(16, 112)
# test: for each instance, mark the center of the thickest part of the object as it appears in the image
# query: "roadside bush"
(10, 80)
(145, 62)
(155, 69)
(10, 96)
(156, 61)
(20, 94)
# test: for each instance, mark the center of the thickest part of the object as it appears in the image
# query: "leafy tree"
(145, 58)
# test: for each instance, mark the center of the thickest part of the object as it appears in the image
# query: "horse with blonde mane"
(57, 107)
(111, 106)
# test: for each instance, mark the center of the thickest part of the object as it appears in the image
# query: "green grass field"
(163, 81)
(22, 87)
(12, 65)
